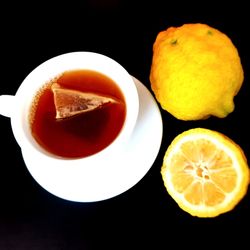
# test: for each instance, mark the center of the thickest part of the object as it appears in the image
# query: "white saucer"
(117, 175)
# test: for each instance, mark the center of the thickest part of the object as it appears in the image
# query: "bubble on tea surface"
(35, 101)
(69, 102)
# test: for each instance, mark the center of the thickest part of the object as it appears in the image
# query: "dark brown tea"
(84, 134)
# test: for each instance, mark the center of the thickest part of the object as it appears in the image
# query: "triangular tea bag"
(69, 102)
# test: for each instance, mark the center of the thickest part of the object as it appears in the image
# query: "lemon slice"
(69, 102)
(205, 172)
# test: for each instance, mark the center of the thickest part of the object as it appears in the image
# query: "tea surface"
(85, 134)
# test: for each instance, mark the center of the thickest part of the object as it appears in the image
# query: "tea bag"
(69, 102)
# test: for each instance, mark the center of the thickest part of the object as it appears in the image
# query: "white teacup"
(51, 167)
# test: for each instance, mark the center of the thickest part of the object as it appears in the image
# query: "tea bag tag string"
(7, 103)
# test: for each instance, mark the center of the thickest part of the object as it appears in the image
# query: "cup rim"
(59, 64)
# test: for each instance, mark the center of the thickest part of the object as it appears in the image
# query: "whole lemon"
(196, 71)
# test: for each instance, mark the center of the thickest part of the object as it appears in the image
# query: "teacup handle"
(6, 105)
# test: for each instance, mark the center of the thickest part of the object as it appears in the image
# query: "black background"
(145, 215)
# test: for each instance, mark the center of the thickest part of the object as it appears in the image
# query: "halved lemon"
(205, 172)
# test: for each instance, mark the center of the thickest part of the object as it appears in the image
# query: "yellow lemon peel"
(196, 71)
